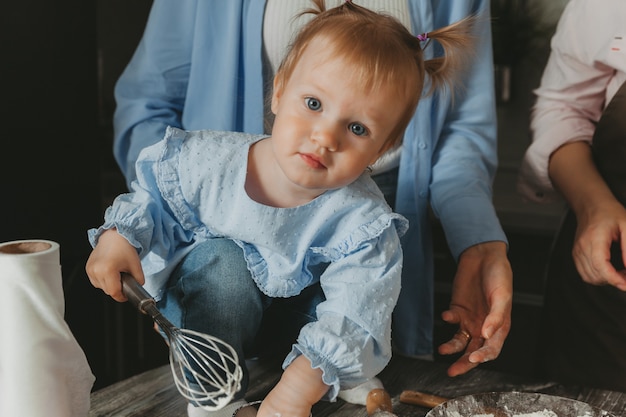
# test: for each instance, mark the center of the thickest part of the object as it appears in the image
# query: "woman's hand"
(601, 224)
(601, 218)
(112, 256)
(482, 297)
(298, 389)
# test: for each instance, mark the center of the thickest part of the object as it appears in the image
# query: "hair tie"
(423, 37)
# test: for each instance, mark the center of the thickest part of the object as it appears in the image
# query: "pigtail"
(319, 7)
(457, 41)
(384, 52)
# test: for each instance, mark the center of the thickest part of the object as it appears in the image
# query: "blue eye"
(313, 103)
(358, 129)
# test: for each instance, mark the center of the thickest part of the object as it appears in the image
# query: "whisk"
(206, 369)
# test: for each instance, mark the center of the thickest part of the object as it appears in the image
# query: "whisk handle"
(136, 294)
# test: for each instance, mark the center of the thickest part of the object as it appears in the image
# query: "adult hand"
(113, 255)
(482, 297)
(601, 224)
(601, 218)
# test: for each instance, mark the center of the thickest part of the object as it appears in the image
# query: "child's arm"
(112, 256)
(299, 388)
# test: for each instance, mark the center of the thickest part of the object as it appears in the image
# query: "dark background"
(59, 64)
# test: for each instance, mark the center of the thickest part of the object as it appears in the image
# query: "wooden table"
(152, 394)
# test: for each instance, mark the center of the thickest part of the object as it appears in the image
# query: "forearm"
(574, 174)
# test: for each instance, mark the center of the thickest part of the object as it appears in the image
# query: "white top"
(586, 67)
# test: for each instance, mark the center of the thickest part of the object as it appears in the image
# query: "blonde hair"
(383, 52)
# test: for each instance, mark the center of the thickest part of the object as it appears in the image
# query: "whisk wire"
(206, 369)
(207, 382)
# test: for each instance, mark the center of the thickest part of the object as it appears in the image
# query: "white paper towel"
(43, 370)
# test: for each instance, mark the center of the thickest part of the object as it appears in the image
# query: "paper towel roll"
(43, 370)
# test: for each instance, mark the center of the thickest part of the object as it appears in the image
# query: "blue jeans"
(211, 291)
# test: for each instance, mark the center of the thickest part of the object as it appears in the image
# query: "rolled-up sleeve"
(571, 96)
(144, 217)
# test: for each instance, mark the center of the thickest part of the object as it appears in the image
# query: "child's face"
(328, 129)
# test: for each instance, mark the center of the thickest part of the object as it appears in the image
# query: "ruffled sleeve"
(351, 339)
(145, 218)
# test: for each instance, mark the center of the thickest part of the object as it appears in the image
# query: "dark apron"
(583, 339)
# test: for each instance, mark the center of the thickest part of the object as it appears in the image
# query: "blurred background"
(60, 61)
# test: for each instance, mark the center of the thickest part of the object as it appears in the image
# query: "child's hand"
(112, 256)
(298, 389)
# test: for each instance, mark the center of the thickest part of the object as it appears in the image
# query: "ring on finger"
(464, 334)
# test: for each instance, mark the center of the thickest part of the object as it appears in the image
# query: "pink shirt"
(586, 67)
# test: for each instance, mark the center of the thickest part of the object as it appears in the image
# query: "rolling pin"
(420, 398)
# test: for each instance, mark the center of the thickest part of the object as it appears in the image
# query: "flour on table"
(544, 413)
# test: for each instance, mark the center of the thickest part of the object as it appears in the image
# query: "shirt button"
(422, 194)
(422, 145)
